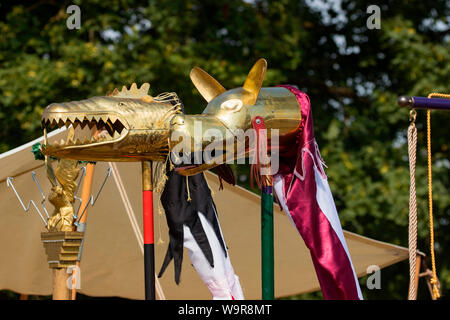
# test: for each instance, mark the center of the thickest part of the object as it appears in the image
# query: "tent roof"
(112, 262)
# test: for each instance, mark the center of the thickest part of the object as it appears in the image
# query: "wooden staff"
(60, 289)
(149, 250)
(85, 197)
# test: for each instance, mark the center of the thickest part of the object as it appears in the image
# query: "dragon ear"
(208, 87)
(254, 82)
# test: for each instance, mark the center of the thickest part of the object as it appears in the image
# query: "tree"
(352, 74)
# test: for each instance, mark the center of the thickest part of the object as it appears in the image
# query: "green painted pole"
(267, 260)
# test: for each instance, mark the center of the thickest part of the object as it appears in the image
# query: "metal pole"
(149, 250)
(81, 227)
(267, 259)
(424, 103)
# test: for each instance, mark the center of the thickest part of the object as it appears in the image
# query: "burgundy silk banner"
(303, 192)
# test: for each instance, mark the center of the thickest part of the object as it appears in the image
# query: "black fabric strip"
(179, 211)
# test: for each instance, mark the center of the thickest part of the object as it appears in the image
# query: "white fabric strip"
(278, 185)
(220, 279)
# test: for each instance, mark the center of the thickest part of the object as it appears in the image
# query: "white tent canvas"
(112, 261)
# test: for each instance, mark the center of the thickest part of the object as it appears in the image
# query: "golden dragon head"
(126, 125)
(228, 117)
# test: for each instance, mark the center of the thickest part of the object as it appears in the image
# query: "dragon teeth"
(109, 128)
(112, 119)
(72, 119)
(70, 134)
(83, 124)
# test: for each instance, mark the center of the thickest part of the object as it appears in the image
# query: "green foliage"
(353, 76)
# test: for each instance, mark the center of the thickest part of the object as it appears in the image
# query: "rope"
(433, 280)
(412, 147)
(187, 187)
(430, 208)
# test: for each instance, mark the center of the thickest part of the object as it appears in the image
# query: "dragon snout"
(197, 142)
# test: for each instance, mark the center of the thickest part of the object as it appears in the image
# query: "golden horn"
(254, 82)
(208, 87)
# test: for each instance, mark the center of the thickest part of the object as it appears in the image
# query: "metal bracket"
(91, 201)
(9, 183)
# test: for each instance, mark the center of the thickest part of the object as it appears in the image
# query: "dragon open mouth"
(88, 130)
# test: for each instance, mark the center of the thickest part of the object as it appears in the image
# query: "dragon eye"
(232, 105)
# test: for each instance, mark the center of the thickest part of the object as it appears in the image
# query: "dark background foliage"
(353, 76)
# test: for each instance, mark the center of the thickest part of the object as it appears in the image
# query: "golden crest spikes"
(115, 92)
(133, 92)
